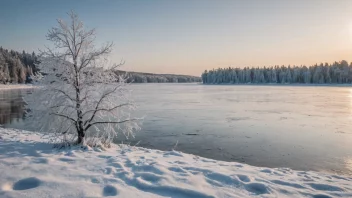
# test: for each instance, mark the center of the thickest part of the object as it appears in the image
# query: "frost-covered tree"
(79, 96)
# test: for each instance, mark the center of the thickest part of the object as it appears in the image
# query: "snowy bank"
(29, 167)
(16, 86)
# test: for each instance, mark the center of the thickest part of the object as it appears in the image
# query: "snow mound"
(29, 167)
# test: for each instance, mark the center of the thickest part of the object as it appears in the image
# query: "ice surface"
(301, 127)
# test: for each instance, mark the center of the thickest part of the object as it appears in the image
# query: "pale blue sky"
(189, 36)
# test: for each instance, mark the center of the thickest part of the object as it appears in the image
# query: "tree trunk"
(80, 136)
(80, 129)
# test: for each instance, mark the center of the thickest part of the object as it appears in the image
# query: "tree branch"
(94, 55)
(64, 116)
(65, 94)
(99, 102)
(109, 122)
(107, 110)
(66, 106)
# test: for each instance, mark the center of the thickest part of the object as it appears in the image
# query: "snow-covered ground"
(16, 86)
(30, 167)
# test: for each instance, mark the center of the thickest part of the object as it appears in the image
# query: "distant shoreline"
(29, 86)
(16, 86)
(283, 85)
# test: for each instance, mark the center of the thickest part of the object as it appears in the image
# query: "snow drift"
(30, 167)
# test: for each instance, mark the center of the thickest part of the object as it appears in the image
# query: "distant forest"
(16, 67)
(335, 73)
(137, 77)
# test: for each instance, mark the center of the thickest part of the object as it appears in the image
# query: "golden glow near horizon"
(334, 45)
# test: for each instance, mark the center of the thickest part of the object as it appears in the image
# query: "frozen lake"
(301, 127)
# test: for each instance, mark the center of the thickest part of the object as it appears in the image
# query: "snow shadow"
(24, 149)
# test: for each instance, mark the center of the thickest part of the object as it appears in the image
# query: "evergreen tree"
(338, 73)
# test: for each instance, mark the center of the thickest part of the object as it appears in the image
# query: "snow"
(30, 167)
(14, 86)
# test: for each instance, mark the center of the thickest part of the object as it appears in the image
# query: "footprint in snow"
(266, 171)
(321, 196)
(110, 191)
(177, 170)
(27, 183)
(68, 160)
(244, 178)
(109, 170)
(257, 188)
(324, 187)
(104, 156)
(284, 183)
(95, 180)
(116, 165)
(40, 160)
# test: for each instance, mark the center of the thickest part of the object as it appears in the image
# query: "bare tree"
(79, 93)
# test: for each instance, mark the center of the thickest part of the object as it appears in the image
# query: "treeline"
(136, 77)
(336, 73)
(16, 67)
